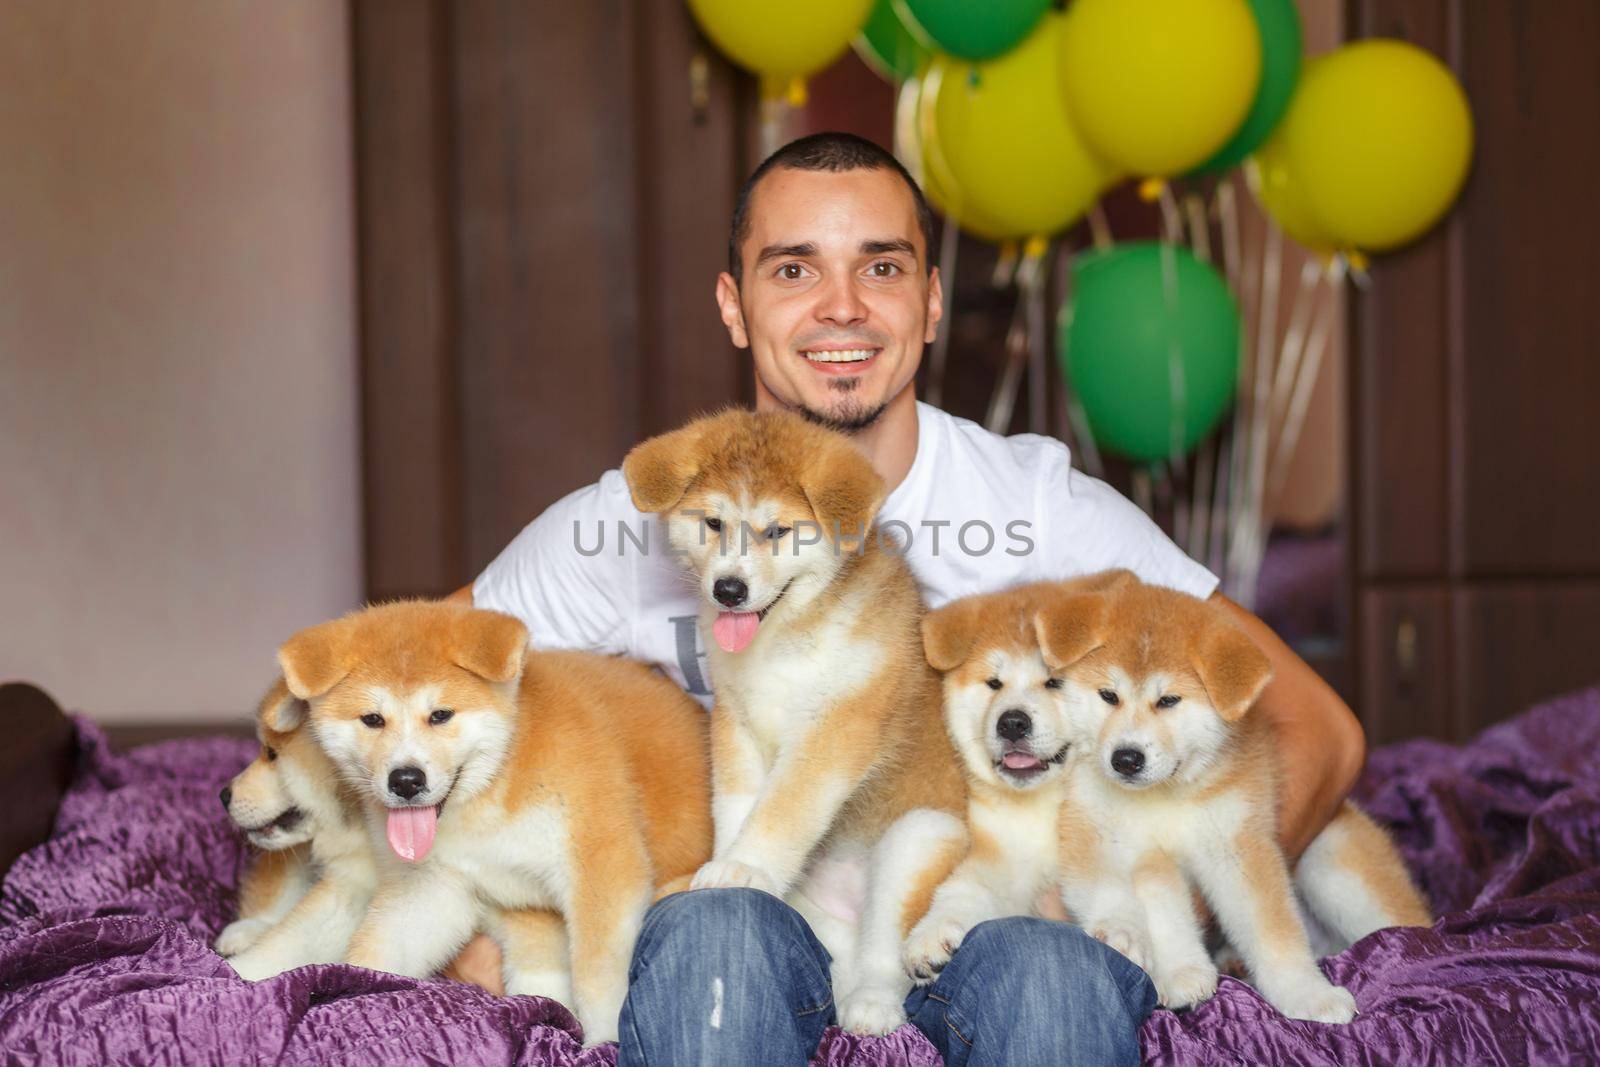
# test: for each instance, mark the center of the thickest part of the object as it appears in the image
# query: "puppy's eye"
(272, 754)
(994, 683)
(1168, 701)
(1052, 683)
(773, 532)
(373, 720)
(1109, 697)
(440, 716)
(714, 525)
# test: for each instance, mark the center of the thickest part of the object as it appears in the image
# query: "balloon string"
(1002, 403)
(1171, 220)
(1294, 339)
(1032, 290)
(939, 357)
(1243, 278)
(1215, 560)
(1254, 468)
(1074, 423)
(1305, 384)
(1099, 227)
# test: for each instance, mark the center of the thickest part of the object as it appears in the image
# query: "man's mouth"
(839, 360)
(734, 630)
(1020, 763)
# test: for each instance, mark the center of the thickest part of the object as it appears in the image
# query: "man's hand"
(479, 964)
(1319, 740)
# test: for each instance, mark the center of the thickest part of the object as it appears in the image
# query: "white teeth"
(848, 355)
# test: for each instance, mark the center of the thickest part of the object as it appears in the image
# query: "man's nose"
(841, 303)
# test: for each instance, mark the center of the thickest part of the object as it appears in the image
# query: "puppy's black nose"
(1127, 761)
(227, 796)
(730, 592)
(407, 782)
(1014, 725)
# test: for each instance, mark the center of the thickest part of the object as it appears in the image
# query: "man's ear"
(1232, 669)
(315, 659)
(935, 305)
(842, 488)
(280, 710)
(658, 471)
(489, 644)
(731, 308)
(947, 634)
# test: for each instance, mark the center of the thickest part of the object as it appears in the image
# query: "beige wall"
(178, 434)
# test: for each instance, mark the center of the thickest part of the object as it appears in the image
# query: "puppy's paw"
(240, 935)
(554, 985)
(1186, 986)
(872, 1011)
(931, 944)
(595, 1033)
(255, 966)
(731, 874)
(1317, 1001)
(1126, 938)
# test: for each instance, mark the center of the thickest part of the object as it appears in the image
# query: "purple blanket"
(105, 933)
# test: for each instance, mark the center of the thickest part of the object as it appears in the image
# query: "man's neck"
(890, 443)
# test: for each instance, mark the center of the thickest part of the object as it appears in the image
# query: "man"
(829, 286)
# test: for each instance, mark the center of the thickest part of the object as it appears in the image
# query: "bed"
(106, 925)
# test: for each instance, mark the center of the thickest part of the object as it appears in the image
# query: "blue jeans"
(735, 976)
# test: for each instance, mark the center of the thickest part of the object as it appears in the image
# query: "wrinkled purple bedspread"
(105, 934)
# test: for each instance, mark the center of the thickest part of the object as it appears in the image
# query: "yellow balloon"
(1282, 196)
(781, 40)
(999, 143)
(922, 158)
(1379, 137)
(1157, 86)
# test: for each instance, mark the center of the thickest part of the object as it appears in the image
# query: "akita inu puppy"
(1177, 788)
(495, 777)
(1006, 714)
(290, 797)
(834, 784)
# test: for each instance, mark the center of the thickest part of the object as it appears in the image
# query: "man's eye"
(773, 532)
(885, 270)
(714, 525)
(994, 683)
(1052, 683)
(372, 719)
(791, 272)
(1109, 697)
(1168, 701)
(440, 716)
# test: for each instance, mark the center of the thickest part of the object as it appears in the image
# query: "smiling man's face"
(836, 300)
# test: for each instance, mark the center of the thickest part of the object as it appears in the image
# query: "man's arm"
(1320, 741)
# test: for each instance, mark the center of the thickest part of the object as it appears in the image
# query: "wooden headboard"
(36, 764)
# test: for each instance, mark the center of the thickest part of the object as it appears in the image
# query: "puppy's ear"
(658, 471)
(489, 644)
(842, 488)
(947, 634)
(1070, 627)
(315, 659)
(280, 710)
(1232, 669)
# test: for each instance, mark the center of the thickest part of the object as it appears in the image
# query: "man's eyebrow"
(881, 247)
(800, 251)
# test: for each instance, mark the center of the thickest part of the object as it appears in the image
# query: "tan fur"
(607, 752)
(800, 790)
(1202, 805)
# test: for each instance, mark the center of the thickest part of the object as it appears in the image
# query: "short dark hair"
(830, 152)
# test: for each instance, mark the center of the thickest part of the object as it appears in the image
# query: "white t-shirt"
(976, 513)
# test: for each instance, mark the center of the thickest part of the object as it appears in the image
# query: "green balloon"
(886, 46)
(972, 29)
(1279, 23)
(1138, 311)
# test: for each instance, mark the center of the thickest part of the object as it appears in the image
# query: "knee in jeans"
(1046, 951)
(711, 916)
